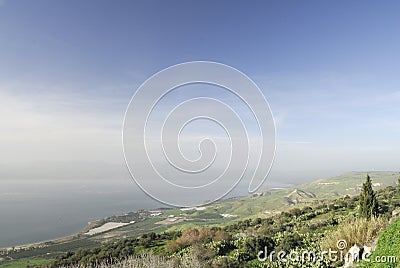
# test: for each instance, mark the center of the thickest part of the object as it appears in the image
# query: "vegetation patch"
(388, 246)
(354, 230)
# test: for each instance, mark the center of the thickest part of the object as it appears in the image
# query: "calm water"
(32, 211)
(38, 210)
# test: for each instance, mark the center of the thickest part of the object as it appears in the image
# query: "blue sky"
(329, 69)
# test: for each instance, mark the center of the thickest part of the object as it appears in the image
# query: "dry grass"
(354, 230)
(149, 260)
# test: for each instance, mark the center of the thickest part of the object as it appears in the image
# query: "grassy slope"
(349, 183)
(388, 245)
(267, 202)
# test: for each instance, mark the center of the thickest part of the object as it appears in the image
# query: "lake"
(34, 210)
(37, 210)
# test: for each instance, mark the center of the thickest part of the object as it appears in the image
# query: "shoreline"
(84, 228)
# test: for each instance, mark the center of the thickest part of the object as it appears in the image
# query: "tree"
(368, 202)
(398, 186)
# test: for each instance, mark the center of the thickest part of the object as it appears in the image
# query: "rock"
(395, 215)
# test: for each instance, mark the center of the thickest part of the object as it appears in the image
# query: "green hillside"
(315, 228)
(388, 248)
(270, 202)
(350, 183)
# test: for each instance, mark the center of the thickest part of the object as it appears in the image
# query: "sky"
(329, 70)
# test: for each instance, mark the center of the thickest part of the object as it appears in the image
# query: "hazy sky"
(329, 69)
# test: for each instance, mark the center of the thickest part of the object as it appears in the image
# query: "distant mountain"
(350, 183)
(274, 200)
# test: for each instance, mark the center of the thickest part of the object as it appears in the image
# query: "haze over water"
(39, 210)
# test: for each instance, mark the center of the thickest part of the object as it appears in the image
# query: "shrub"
(191, 236)
(225, 262)
(290, 242)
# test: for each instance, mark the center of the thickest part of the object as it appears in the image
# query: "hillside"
(222, 214)
(350, 183)
(272, 201)
(388, 246)
(302, 229)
